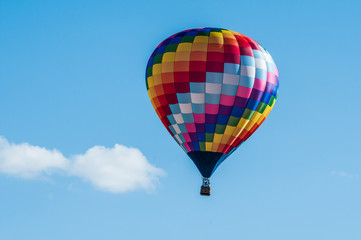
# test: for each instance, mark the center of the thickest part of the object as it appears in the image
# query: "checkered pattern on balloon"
(211, 88)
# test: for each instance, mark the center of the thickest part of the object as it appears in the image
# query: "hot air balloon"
(211, 88)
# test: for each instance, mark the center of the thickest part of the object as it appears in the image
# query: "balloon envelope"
(211, 88)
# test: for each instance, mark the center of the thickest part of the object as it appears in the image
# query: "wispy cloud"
(343, 174)
(118, 169)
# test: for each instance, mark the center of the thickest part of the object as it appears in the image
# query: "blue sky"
(72, 77)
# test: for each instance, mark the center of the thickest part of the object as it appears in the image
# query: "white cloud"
(118, 169)
(29, 161)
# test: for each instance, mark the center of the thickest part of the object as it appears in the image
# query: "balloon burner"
(205, 188)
